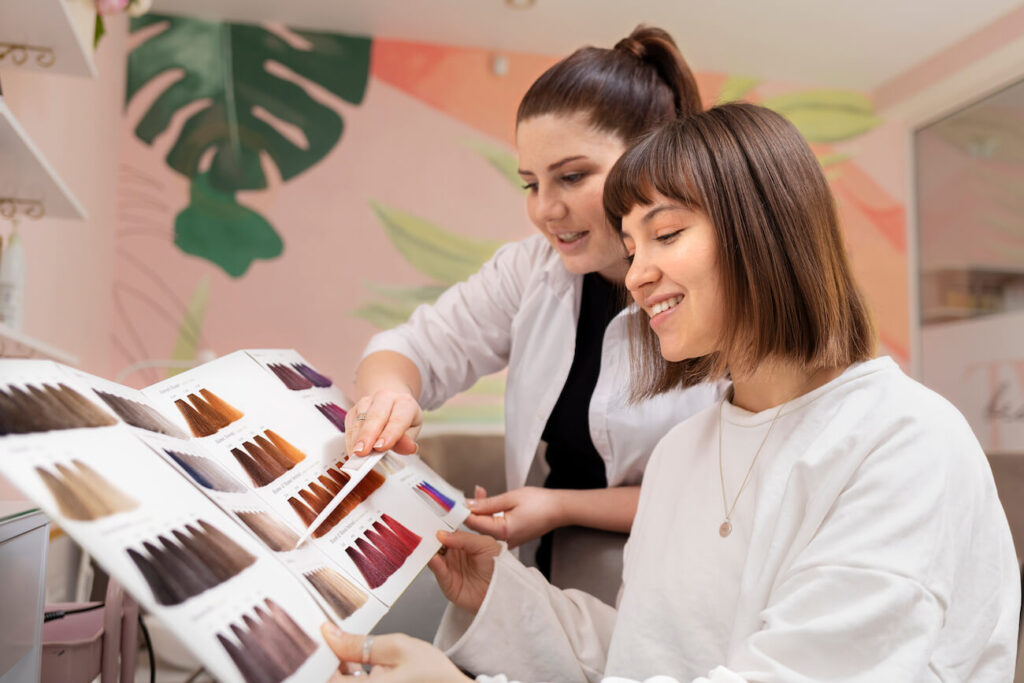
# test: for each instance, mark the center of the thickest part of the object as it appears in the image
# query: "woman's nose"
(641, 273)
(551, 205)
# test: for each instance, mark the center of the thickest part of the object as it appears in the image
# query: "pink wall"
(76, 123)
(113, 290)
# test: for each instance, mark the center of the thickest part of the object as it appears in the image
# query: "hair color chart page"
(241, 612)
(271, 437)
(225, 481)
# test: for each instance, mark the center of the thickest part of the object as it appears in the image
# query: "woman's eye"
(628, 258)
(572, 177)
(668, 237)
(532, 187)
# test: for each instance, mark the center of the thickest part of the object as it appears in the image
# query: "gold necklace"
(726, 528)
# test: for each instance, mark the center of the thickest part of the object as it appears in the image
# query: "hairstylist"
(550, 309)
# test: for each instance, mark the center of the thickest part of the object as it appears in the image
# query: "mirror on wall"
(969, 172)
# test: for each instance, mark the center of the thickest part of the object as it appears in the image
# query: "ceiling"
(856, 44)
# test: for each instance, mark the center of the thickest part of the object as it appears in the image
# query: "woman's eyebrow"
(556, 165)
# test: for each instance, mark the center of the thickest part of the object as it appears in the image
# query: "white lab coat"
(869, 545)
(520, 310)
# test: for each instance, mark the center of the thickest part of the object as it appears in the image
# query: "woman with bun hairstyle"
(830, 519)
(551, 310)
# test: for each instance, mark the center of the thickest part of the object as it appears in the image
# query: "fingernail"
(358, 448)
(331, 630)
(379, 444)
(470, 503)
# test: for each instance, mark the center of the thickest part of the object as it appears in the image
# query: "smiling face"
(563, 161)
(674, 276)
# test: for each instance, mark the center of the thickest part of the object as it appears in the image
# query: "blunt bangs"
(654, 165)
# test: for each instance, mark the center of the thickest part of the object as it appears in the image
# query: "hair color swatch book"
(202, 484)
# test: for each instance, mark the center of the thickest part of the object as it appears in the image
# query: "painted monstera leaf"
(243, 106)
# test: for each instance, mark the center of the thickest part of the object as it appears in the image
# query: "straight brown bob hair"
(789, 293)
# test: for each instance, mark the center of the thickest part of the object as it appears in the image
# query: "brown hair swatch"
(268, 647)
(312, 500)
(140, 415)
(199, 558)
(343, 597)
(272, 532)
(82, 494)
(266, 458)
(208, 414)
(45, 408)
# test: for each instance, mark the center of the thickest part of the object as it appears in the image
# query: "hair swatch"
(82, 494)
(390, 464)
(432, 495)
(334, 413)
(343, 597)
(46, 408)
(201, 558)
(269, 647)
(312, 500)
(312, 375)
(267, 457)
(272, 532)
(289, 377)
(206, 472)
(382, 550)
(208, 414)
(140, 415)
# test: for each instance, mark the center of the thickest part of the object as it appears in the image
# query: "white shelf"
(55, 36)
(14, 344)
(27, 177)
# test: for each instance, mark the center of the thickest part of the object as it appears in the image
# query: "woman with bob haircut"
(550, 309)
(830, 519)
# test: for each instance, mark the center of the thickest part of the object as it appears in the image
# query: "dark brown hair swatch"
(207, 414)
(268, 647)
(82, 494)
(45, 408)
(311, 501)
(382, 549)
(272, 532)
(290, 377)
(343, 597)
(140, 415)
(200, 557)
(266, 457)
(206, 472)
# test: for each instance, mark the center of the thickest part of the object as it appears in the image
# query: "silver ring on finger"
(358, 672)
(367, 644)
(361, 417)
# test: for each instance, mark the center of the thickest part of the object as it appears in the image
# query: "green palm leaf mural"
(248, 111)
(826, 115)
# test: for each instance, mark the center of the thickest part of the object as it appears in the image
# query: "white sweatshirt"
(868, 545)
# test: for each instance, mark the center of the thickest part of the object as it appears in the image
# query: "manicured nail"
(330, 629)
(379, 444)
(470, 503)
(358, 448)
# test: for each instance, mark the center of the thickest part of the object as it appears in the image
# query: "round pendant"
(725, 529)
